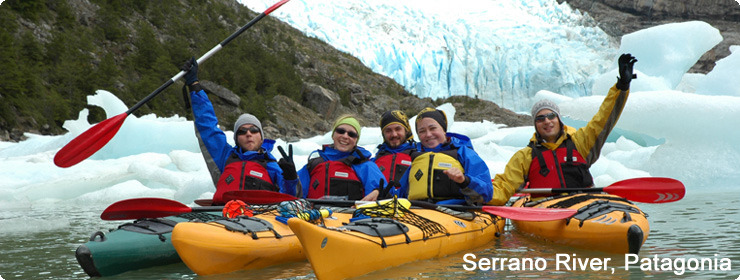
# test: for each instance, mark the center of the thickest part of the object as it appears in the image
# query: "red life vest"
(243, 175)
(335, 178)
(562, 168)
(393, 165)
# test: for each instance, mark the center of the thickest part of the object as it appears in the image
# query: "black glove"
(385, 192)
(626, 67)
(191, 71)
(286, 163)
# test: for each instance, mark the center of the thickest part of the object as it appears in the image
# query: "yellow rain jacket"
(588, 141)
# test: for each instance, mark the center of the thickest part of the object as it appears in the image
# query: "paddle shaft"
(422, 204)
(418, 203)
(513, 213)
(566, 190)
(206, 56)
(429, 205)
(341, 203)
(207, 209)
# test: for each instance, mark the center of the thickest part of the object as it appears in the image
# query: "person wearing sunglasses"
(249, 165)
(394, 154)
(559, 156)
(341, 170)
(444, 169)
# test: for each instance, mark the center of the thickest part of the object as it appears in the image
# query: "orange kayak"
(604, 222)
(371, 244)
(240, 244)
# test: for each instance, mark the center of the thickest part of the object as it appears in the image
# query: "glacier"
(502, 51)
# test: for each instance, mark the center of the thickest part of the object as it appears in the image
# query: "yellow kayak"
(604, 222)
(371, 244)
(241, 243)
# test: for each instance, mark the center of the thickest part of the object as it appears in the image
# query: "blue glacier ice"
(503, 51)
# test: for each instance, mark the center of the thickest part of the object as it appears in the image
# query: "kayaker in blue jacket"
(247, 166)
(445, 167)
(394, 154)
(341, 170)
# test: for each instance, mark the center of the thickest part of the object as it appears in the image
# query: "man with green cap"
(341, 170)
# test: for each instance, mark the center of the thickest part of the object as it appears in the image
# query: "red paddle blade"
(89, 142)
(648, 189)
(138, 208)
(274, 7)
(530, 214)
(258, 196)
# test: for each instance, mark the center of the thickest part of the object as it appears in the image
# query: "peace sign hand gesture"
(286, 163)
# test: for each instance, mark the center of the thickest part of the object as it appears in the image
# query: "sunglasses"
(351, 134)
(541, 118)
(252, 129)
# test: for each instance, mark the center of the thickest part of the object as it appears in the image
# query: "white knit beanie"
(545, 104)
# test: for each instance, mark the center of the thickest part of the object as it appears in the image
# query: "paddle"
(92, 140)
(647, 190)
(514, 213)
(137, 208)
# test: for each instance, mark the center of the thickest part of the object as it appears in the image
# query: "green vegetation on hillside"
(52, 56)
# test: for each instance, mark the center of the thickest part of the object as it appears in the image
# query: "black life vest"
(393, 165)
(244, 175)
(562, 168)
(427, 180)
(335, 178)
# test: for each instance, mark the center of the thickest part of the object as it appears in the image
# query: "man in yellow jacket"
(558, 156)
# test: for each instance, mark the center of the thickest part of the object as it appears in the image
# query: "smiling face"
(249, 137)
(548, 129)
(430, 133)
(394, 135)
(343, 142)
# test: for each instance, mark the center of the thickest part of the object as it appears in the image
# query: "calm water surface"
(38, 242)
